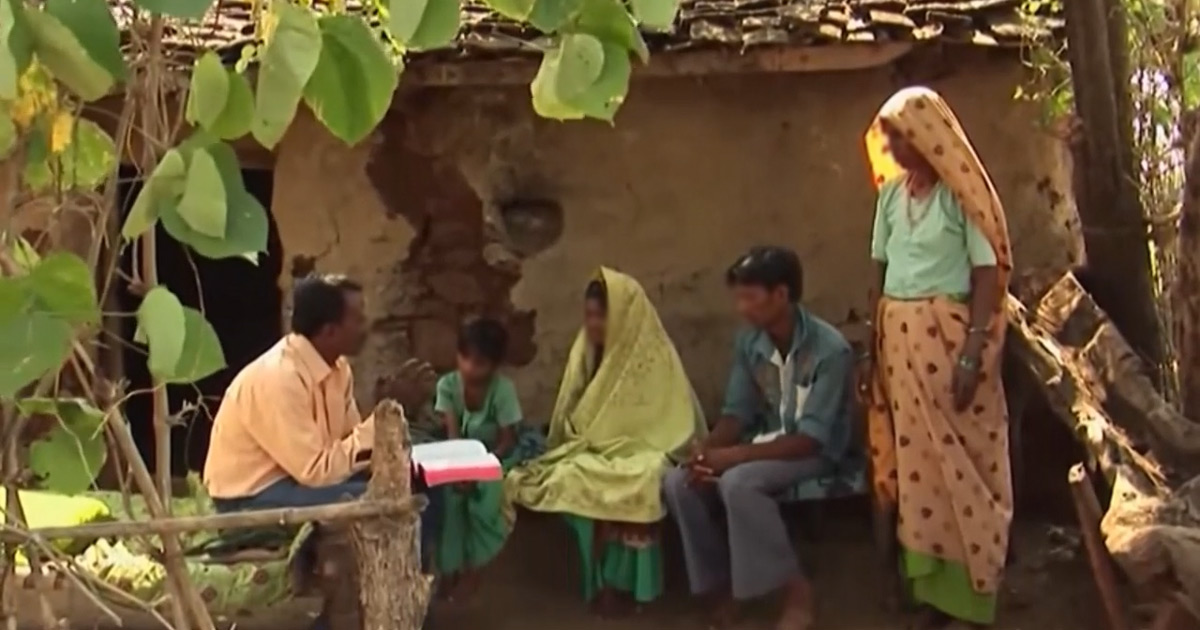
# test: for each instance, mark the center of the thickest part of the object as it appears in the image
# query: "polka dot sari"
(946, 473)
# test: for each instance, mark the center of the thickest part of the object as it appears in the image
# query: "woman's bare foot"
(797, 606)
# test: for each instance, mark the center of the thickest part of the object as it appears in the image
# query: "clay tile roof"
(737, 24)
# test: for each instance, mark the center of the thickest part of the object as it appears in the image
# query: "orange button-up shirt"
(288, 413)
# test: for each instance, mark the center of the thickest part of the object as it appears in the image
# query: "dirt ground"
(535, 583)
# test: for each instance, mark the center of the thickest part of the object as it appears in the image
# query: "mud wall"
(467, 203)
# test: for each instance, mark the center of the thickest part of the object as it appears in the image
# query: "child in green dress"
(476, 402)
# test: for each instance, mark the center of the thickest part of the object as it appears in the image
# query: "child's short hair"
(483, 337)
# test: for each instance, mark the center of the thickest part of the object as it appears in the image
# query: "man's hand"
(719, 460)
(707, 465)
(411, 386)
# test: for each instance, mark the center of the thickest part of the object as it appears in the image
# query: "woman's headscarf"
(931, 127)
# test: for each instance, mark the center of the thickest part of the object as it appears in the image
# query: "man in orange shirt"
(289, 432)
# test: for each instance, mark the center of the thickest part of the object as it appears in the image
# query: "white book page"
(449, 453)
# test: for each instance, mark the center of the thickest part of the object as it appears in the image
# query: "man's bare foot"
(725, 612)
(797, 606)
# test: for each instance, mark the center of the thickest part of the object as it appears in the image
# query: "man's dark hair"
(595, 291)
(320, 300)
(768, 267)
(485, 338)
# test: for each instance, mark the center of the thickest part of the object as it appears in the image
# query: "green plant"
(59, 57)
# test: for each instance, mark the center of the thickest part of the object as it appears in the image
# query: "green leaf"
(286, 64)
(164, 185)
(610, 22)
(548, 16)
(93, 25)
(66, 58)
(579, 65)
(604, 97)
(37, 173)
(202, 354)
(67, 458)
(209, 90)
(64, 286)
(31, 343)
(162, 321)
(186, 9)
(545, 99)
(203, 206)
(246, 223)
(438, 27)
(404, 17)
(238, 114)
(516, 10)
(9, 71)
(352, 87)
(658, 15)
(89, 159)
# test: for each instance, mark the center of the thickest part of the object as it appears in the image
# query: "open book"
(455, 461)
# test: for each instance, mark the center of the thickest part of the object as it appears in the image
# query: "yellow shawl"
(614, 425)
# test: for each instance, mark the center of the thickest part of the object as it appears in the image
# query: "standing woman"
(938, 421)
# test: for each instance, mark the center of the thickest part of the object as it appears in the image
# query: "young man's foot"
(797, 606)
(724, 612)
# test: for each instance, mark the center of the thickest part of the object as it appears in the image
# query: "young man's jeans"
(287, 493)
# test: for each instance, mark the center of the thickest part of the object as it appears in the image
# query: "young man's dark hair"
(769, 268)
(319, 301)
(484, 338)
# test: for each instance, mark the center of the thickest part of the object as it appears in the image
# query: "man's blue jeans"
(287, 493)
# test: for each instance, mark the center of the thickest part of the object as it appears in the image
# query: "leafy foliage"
(57, 55)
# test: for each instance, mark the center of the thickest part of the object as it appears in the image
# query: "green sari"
(615, 426)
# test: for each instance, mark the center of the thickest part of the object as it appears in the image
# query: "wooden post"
(1087, 509)
(393, 590)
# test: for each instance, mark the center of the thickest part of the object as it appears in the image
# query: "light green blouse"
(500, 407)
(928, 244)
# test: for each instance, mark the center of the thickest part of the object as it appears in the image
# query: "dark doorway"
(241, 301)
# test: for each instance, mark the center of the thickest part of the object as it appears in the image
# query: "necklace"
(923, 205)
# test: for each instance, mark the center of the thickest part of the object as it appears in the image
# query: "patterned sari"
(945, 473)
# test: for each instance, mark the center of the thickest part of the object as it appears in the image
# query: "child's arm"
(445, 403)
(508, 416)
(506, 439)
(450, 424)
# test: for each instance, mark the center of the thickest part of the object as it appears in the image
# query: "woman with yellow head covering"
(625, 408)
(938, 422)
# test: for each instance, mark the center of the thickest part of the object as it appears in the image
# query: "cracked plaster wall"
(694, 172)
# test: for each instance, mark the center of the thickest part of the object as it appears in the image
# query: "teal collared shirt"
(809, 391)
